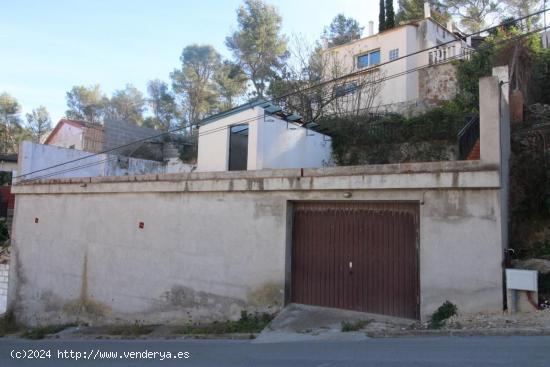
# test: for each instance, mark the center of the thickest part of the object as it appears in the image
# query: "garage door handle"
(350, 266)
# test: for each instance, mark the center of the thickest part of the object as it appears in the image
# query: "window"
(341, 90)
(369, 59)
(238, 147)
(363, 61)
(394, 54)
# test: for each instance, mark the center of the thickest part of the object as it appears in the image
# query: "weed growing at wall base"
(354, 326)
(248, 323)
(8, 324)
(439, 317)
(40, 332)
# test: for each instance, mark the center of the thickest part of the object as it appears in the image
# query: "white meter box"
(525, 280)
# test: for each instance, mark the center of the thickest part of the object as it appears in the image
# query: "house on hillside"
(8, 162)
(259, 135)
(76, 134)
(112, 134)
(406, 85)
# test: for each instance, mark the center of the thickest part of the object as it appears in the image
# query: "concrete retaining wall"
(214, 244)
(39, 158)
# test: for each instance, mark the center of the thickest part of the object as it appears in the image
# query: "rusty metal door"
(359, 256)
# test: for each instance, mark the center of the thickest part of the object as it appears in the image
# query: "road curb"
(460, 332)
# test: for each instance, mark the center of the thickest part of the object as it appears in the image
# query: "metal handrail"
(467, 137)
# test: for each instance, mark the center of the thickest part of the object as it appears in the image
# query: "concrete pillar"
(503, 76)
(24, 161)
(427, 11)
(494, 133)
(489, 119)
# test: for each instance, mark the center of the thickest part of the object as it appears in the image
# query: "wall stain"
(85, 306)
(274, 209)
(269, 294)
(198, 305)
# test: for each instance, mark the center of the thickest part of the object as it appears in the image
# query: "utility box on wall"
(525, 280)
(521, 290)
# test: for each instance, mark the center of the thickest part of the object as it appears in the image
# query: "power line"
(347, 76)
(259, 116)
(344, 77)
(123, 146)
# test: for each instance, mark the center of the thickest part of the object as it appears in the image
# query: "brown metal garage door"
(357, 256)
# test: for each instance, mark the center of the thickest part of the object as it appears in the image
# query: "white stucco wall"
(8, 166)
(37, 157)
(213, 149)
(272, 143)
(291, 146)
(401, 92)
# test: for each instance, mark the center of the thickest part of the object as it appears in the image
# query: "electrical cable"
(347, 76)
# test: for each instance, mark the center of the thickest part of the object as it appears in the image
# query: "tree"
(411, 10)
(126, 104)
(473, 14)
(517, 54)
(163, 106)
(342, 30)
(86, 103)
(231, 83)
(12, 131)
(521, 8)
(10, 122)
(39, 123)
(298, 89)
(194, 82)
(257, 45)
(382, 17)
(390, 15)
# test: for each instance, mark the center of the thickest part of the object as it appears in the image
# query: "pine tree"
(390, 15)
(382, 17)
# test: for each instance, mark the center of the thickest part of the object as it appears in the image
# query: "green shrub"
(439, 317)
(354, 326)
(248, 323)
(4, 234)
(39, 332)
(365, 139)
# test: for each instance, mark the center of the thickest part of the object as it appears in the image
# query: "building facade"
(386, 66)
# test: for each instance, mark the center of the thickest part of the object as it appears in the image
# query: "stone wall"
(437, 83)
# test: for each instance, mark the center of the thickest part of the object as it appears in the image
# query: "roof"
(76, 123)
(8, 158)
(413, 23)
(268, 106)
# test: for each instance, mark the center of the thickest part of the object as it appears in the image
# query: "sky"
(46, 47)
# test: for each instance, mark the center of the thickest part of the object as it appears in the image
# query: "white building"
(258, 135)
(407, 82)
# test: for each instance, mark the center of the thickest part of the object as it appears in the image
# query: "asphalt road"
(419, 351)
